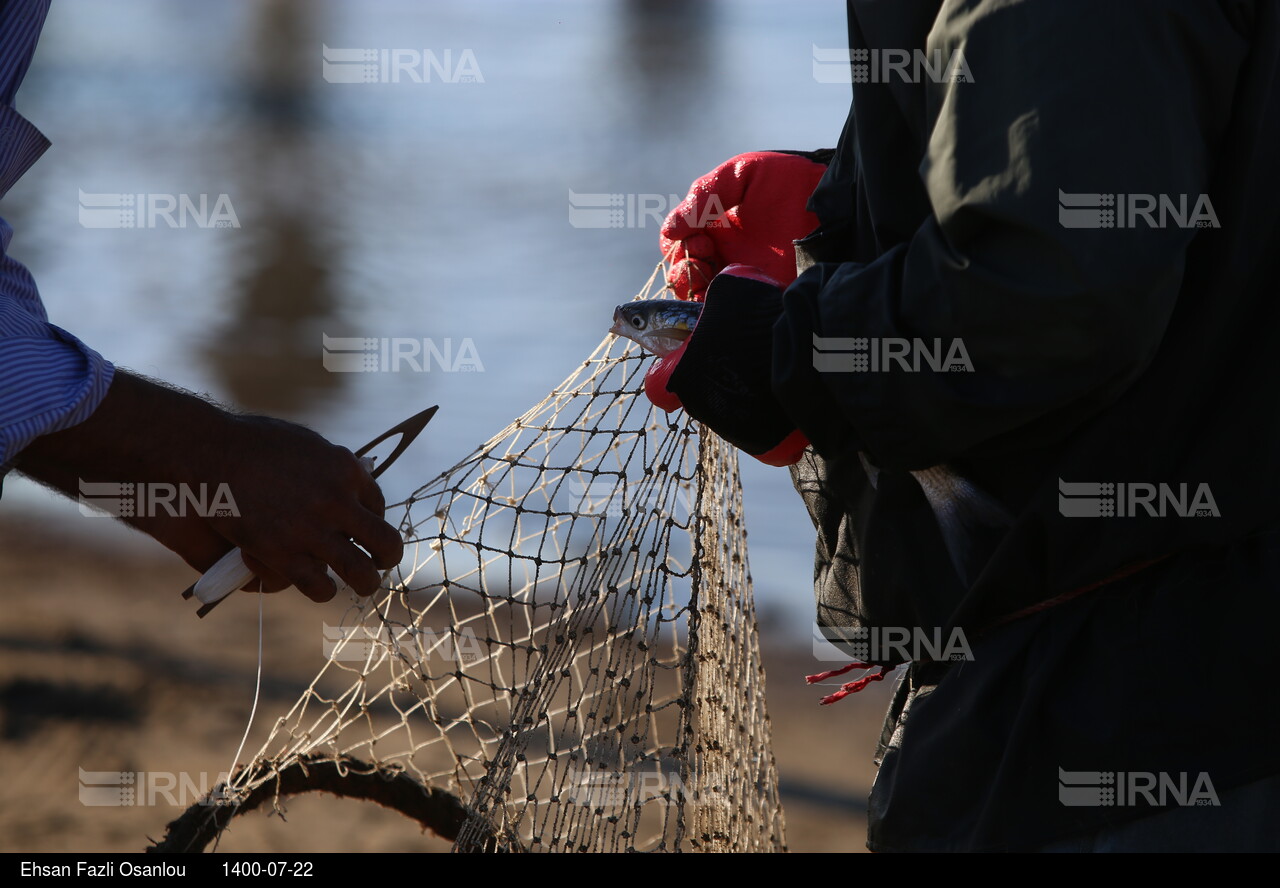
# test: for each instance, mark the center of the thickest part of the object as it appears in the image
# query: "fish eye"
(638, 323)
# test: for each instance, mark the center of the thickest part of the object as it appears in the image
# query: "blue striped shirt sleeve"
(49, 379)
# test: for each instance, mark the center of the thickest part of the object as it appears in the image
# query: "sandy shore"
(104, 668)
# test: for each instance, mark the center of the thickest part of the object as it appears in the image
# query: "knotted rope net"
(566, 659)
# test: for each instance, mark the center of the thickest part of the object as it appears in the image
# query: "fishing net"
(567, 658)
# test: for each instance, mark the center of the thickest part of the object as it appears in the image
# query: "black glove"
(723, 374)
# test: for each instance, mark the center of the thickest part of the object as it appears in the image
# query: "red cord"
(854, 686)
(851, 687)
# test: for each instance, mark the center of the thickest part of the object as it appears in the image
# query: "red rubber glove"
(722, 374)
(746, 211)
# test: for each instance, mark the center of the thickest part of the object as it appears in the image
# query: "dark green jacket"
(1124, 354)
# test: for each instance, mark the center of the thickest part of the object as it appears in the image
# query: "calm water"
(399, 209)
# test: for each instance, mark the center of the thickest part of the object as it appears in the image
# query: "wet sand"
(104, 667)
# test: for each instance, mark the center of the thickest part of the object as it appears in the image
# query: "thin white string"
(368, 463)
(257, 689)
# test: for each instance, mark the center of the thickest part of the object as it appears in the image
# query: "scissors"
(230, 572)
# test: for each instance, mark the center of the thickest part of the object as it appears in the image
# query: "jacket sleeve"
(1091, 104)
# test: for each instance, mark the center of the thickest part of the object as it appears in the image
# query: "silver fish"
(970, 519)
(659, 325)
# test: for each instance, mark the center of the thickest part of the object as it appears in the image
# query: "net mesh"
(569, 647)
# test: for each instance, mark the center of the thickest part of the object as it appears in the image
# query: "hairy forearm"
(142, 431)
(300, 501)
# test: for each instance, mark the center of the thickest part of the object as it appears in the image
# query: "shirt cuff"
(46, 385)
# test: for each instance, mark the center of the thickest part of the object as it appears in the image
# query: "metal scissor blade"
(408, 432)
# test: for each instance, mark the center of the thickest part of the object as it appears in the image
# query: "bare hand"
(300, 503)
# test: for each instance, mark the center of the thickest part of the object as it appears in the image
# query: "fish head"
(627, 323)
(658, 325)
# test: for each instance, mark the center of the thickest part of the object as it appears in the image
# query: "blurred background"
(434, 203)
